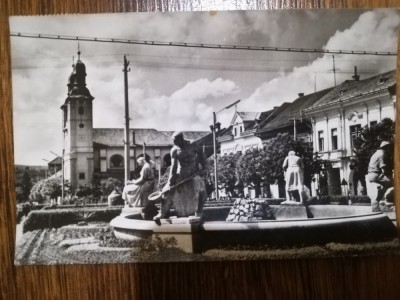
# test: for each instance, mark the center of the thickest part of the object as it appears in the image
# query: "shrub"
(112, 184)
(54, 218)
(49, 219)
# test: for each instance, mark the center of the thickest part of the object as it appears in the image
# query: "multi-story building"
(337, 119)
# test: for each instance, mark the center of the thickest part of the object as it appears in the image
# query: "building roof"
(55, 161)
(353, 88)
(248, 116)
(251, 120)
(283, 115)
(115, 136)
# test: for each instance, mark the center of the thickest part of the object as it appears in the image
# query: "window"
(81, 110)
(334, 139)
(241, 129)
(103, 152)
(116, 161)
(103, 166)
(81, 176)
(355, 131)
(81, 125)
(320, 140)
(65, 115)
(235, 132)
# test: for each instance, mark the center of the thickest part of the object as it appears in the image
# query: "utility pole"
(215, 157)
(294, 128)
(315, 82)
(62, 175)
(334, 69)
(214, 127)
(126, 144)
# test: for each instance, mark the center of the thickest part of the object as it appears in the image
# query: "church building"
(99, 152)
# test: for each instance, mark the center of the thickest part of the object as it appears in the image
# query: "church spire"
(77, 79)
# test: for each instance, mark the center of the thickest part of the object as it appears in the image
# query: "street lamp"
(214, 128)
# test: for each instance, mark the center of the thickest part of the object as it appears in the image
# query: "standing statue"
(188, 165)
(294, 176)
(136, 192)
(380, 173)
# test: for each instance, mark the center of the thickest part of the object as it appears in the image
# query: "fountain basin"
(294, 225)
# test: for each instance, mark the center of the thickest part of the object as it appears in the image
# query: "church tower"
(78, 128)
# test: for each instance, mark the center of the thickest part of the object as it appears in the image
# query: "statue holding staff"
(185, 189)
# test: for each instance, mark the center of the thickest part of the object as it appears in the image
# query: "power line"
(213, 67)
(181, 57)
(197, 45)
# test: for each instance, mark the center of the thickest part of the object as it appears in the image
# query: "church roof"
(77, 81)
(115, 136)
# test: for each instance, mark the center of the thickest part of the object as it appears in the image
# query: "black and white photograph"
(204, 136)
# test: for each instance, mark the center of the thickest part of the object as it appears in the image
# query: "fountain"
(280, 225)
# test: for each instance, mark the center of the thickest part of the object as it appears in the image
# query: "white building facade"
(337, 119)
(241, 136)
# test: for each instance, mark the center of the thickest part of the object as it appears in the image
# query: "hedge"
(57, 218)
(74, 206)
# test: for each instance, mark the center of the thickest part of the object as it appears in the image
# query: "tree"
(51, 188)
(279, 147)
(26, 185)
(110, 185)
(253, 168)
(227, 174)
(35, 194)
(44, 189)
(368, 142)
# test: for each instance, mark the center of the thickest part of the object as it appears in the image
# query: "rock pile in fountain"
(250, 210)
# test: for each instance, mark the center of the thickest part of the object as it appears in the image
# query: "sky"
(173, 88)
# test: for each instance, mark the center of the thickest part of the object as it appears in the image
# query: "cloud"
(373, 31)
(184, 109)
(165, 91)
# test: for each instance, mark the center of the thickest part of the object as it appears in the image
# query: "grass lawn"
(95, 243)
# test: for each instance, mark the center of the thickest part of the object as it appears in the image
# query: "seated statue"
(380, 175)
(136, 192)
(186, 189)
